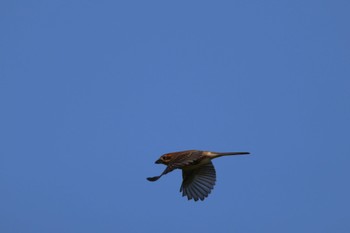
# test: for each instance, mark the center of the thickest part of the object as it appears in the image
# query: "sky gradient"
(93, 92)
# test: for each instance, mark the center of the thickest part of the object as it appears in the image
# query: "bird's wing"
(198, 183)
(155, 178)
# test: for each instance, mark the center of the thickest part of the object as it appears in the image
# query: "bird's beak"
(159, 161)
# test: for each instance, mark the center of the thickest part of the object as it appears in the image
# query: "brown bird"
(198, 172)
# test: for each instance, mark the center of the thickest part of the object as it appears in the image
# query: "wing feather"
(198, 183)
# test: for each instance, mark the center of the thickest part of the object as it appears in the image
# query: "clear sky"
(93, 92)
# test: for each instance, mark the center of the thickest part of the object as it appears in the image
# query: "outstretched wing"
(198, 183)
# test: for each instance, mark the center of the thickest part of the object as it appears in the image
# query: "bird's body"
(198, 172)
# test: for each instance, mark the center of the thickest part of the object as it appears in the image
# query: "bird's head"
(164, 159)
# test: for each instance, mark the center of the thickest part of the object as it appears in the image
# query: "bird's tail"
(219, 154)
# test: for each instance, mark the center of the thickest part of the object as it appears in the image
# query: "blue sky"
(93, 92)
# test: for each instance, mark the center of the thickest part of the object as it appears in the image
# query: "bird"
(198, 172)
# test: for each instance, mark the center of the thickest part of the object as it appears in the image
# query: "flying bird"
(198, 172)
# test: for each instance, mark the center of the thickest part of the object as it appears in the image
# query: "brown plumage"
(198, 172)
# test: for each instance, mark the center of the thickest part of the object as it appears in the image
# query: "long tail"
(219, 154)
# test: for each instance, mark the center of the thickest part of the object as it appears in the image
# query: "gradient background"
(93, 92)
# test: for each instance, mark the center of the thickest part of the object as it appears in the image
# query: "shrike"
(198, 172)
